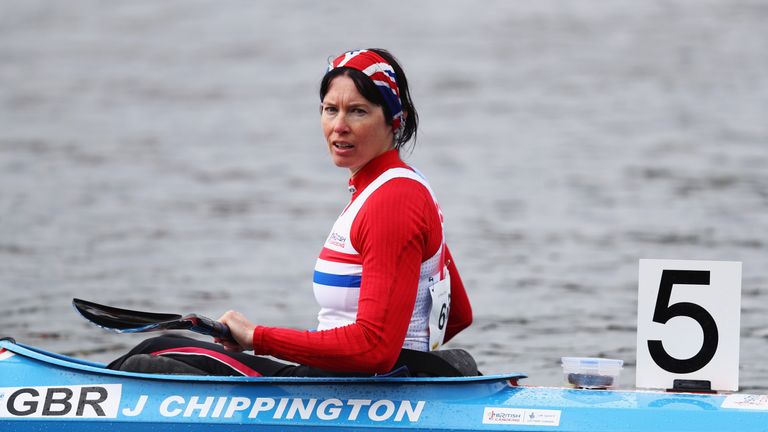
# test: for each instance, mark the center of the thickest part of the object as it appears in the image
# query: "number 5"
(665, 311)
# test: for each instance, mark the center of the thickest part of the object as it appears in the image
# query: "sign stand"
(691, 386)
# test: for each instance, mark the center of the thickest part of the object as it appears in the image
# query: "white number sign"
(688, 321)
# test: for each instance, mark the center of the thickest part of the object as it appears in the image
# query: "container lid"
(591, 362)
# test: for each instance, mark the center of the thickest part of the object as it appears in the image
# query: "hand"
(241, 330)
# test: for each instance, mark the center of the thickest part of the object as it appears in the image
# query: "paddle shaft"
(207, 326)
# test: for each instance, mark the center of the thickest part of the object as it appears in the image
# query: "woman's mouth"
(342, 146)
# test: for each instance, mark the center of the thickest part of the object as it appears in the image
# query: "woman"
(386, 282)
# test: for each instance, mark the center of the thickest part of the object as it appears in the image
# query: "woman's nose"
(340, 125)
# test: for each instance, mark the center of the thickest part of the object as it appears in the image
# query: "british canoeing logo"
(507, 416)
(337, 240)
(503, 416)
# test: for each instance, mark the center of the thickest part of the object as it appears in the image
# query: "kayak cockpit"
(49, 360)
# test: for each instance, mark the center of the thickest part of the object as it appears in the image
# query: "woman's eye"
(329, 110)
(359, 111)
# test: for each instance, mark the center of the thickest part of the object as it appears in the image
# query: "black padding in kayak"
(443, 363)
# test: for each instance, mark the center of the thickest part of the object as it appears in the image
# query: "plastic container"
(592, 373)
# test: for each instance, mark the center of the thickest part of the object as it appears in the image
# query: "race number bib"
(438, 314)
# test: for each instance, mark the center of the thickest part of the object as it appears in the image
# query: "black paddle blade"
(120, 319)
(131, 321)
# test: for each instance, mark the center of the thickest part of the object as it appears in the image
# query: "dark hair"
(368, 90)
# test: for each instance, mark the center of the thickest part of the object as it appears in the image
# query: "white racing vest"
(339, 270)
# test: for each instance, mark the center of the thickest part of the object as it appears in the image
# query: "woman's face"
(353, 126)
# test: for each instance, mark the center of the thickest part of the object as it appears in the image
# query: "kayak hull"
(41, 391)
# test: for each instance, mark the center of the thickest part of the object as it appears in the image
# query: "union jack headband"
(381, 73)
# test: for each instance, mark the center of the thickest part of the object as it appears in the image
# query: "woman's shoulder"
(402, 200)
(410, 188)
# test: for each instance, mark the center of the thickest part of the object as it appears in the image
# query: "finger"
(233, 347)
(228, 315)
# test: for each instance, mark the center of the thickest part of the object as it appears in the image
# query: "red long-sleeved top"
(397, 229)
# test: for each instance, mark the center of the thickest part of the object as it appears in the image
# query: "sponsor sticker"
(746, 401)
(80, 401)
(521, 416)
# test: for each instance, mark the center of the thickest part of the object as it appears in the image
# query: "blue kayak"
(40, 390)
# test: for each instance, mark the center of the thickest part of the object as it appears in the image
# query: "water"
(168, 157)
